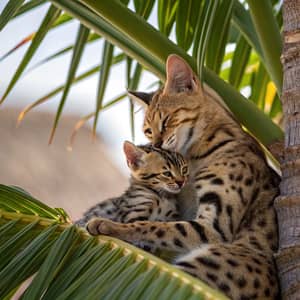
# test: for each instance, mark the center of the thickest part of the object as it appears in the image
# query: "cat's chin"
(175, 148)
(173, 190)
(169, 147)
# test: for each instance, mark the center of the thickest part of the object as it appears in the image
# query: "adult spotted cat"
(231, 239)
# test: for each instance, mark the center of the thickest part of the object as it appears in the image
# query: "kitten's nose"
(180, 183)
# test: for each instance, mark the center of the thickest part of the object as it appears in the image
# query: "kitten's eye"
(148, 131)
(167, 174)
(184, 170)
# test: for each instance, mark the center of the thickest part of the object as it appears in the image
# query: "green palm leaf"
(143, 8)
(28, 6)
(186, 19)
(68, 263)
(9, 11)
(133, 83)
(270, 39)
(26, 262)
(218, 38)
(276, 107)
(107, 58)
(204, 33)
(166, 13)
(81, 39)
(239, 62)
(58, 254)
(259, 86)
(242, 21)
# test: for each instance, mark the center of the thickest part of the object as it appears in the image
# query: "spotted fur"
(229, 237)
(157, 175)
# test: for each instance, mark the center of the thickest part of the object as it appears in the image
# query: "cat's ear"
(180, 76)
(140, 97)
(133, 155)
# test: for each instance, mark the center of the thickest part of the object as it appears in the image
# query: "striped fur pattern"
(229, 240)
(156, 177)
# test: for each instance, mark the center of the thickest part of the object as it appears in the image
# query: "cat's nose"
(180, 183)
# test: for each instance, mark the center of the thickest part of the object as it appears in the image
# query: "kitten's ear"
(133, 155)
(140, 97)
(180, 76)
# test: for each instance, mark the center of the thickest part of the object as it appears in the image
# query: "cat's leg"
(105, 209)
(135, 210)
(180, 236)
(120, 210)
(240, 272)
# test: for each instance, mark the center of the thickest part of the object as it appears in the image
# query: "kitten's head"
(156, 168)
(172, 113)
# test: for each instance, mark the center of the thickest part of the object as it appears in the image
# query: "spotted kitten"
(230, 240)
(156, 177)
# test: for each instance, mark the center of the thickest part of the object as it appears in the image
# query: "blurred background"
(93, 170)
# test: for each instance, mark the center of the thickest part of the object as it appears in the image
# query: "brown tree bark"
(288, 203)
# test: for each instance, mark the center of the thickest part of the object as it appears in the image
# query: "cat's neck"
(212, 134)
(161, 193)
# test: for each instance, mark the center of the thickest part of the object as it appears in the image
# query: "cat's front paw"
(99, 226)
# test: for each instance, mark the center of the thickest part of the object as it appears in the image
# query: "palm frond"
(242, 21)
(107, 58)
(28, 6)
(234, 28)
(81, 39)
(66, 262)
(186, 20)
(270, 39)
(166, 12)
(117, 59)
(204, 28)
(239, 62)
(219, 36)
(9, 11)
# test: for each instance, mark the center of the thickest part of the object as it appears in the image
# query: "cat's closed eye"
(164, 123)
(148, 131)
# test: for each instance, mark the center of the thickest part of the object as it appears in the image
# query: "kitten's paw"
(98, 226)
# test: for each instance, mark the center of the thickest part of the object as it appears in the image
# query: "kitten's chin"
(173, 190)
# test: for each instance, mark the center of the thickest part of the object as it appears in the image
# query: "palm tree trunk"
(288, 203)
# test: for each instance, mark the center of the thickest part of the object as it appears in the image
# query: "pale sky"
(113, 124)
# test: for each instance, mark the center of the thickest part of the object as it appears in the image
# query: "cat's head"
(156, 168)
(172, 113)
